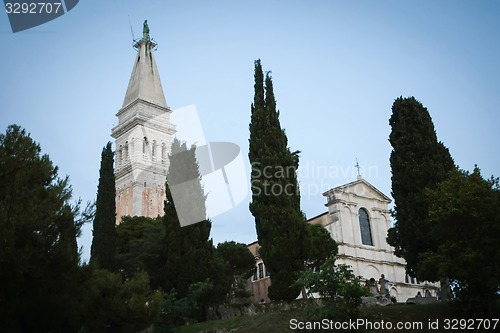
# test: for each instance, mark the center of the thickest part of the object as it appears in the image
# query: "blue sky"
(337, 67)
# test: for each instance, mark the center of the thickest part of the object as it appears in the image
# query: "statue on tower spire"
(145, 30)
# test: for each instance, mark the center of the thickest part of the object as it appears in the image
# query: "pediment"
(359, 188)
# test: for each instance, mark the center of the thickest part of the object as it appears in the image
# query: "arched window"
(261, 270)
(131, 148)
(153, 151)
(145, 145)
(163, 152)
(364, 225)
(125, 151)
(119, 152)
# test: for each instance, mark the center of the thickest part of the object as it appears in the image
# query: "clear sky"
(337, 67)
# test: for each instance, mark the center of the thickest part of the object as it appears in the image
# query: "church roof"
(354, 183)
(145, 81)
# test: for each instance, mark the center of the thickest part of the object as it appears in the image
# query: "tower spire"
(145, 81)
(143, 138)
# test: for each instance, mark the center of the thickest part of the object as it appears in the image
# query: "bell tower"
(142, 138)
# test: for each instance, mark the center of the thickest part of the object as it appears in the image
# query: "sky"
(337, 67)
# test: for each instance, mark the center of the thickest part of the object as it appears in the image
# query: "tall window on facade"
(261, 270)
(364, 225)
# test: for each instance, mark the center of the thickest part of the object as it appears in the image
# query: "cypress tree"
(104, 242)
(281, 226)
(188, 251)
(418, 162)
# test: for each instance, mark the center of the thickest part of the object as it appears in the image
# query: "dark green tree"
(187, 250)
(275, 193)
(238, 265)
(464, 213)
(113, 304)
(240, 260)
(321, 247)
(139, 247)
(104, 242)
(179, 311)
(418, 162)
(39, 258)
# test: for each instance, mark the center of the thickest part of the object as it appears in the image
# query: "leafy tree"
(38, 249)
(104, 242)
(281, 226)
(179, 311)
(139, 247)
(238, 265)
(187, 251)
(239, 258)
(465, 216)
(111, 304)
(418, 162)
(321, 248)
(338, 286)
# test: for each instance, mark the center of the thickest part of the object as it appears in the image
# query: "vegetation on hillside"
(160, 273)
(464, 212)
(420, 318)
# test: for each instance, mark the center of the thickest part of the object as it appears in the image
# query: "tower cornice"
(139, 120)
(143, 101)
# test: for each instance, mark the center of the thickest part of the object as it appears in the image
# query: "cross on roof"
(357, 167)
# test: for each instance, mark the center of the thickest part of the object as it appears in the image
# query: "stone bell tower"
(142, 138)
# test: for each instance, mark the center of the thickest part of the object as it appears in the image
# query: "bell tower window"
(163, 152)
(125, 152)
(153, 151)
(145, 146)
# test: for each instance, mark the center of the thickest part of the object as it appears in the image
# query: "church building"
(358, 218)
(142, 138)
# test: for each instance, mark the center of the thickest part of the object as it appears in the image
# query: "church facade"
(142, 139)
(358, 218)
